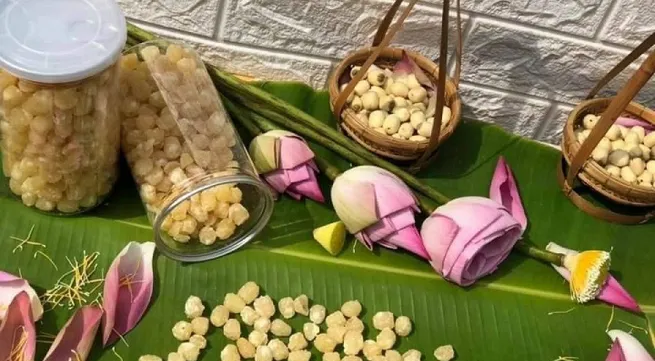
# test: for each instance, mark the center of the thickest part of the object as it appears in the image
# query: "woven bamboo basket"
(588, 171)
(386, 57)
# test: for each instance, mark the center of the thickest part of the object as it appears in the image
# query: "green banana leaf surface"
(522, 312)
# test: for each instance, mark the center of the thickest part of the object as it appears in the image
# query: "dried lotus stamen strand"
(113, 350)
(121, 337)
(46, 257)
(561, 312)
(72, 293)
(609, 323)
(19, 344)
(26, 240)
(634, 327)
(128, 280)
(566, 358)
(77, 356)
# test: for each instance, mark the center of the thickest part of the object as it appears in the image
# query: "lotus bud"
(10, 287)
(377, 207)
(286, 163)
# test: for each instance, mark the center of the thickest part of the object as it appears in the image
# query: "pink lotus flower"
(612, 292)
(17, 332)
(626, 348)
(286, 163)
(75, 340)
(128, 289)
(467, 238)
(377, 207)
(10, 287)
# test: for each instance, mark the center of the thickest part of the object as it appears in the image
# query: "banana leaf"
(522, 312)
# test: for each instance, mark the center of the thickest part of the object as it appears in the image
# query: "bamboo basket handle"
(343, 96)
(618, 68)
(593, 210)
(615, 108)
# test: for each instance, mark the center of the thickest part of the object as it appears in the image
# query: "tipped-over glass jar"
(59, 90)
(196, 180)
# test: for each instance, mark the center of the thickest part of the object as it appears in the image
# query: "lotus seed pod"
(614, 133)
(371, 101)
(589, 121)
(637, 166)
(619, 158)
(362, 87)
(376, 118)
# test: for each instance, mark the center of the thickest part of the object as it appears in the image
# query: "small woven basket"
(386, 57)
(589, 172)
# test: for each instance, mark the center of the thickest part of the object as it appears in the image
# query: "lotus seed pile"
(262, 336)
(175, 135)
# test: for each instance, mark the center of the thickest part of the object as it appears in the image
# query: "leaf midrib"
(648, 309)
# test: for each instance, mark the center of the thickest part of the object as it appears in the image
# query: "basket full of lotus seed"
(609, 143)
(389, 100)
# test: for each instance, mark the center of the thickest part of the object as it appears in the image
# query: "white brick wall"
(525, 64)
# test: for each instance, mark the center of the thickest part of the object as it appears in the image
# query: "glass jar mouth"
(259, 217)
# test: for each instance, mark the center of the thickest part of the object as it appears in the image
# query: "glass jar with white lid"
(59, 83)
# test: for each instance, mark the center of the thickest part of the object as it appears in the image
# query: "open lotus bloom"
(467, 238)
(611, 291)
(10, 286)
(17, 331)
(75, 340)
(626, 348)
(377, 207)
(286, 163)
(128, 289)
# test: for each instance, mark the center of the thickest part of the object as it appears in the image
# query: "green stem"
(538, 253)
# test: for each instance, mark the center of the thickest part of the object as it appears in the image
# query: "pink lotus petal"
(128, 289)
(631, 122)
(431, 110)
(17, 331)
(308, 188)
(355, 202)
(504, 191)
(298, 174)
(438, 233)
(10, 286)
(616, 352)
(409, 239)
(294, 152)
(392, 195)
(390, 224)
(75, 340)
(407, 66)
(277, 179)
(632, 349)
(612, 292)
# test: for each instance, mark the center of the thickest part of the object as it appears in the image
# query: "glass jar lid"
(60, 41)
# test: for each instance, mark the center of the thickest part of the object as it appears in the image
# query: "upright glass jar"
(60, 128)
(195, 177)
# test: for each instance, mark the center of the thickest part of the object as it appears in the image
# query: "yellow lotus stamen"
(71, 287)
(609, 323)
(26, 240)
(19, 344)
(589, 272)
(560, 312)
(128, 280)
(48, 258)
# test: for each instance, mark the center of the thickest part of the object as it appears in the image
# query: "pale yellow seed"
(331, 356)
(264, 306)
(412, 355)
(335, 319)
(324, 343)
(264, 353)
(403, 326)
(351, 308)
(386, 339)
(280, 328)
(393, 355)
(317, 313)
(310, 330)
(229, 353)
(279, 349)
(297, 342)
(371, 349)
(234, 303)
(351, 358)
(232, 329)
(219, 316)
(200, 325)
(199, 341)
(353, 342)
(337, 333)
(285, 306)
(382, 320)
(301, 355)
(225, 229)
(257, 338)
(249, 315)
(262, 324)
(246, 348)
(355, 324)
(182, 330)
(301, 305)
(249, 291)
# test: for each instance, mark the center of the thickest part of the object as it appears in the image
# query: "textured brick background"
(525, 64)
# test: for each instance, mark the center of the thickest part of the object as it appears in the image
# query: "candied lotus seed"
(335, 319)
(371, 349)
(193, 307)
(324, 343)
(234, 303)
(264, 353)
(317, 314)
(393, 355)
(150, 358)
(230, 353)
(351, 308)
(249, 315)
(286, 307)
(232, 329)
(280, 328)
(246, 348)
(444, 353)
(262, 325)
(297, 342)
(199, 341)
(386, 338)
(279, 349)
(174, 356)
(382, 320)
(403, 326)
(301, 355)
(310, 330)
(412, 355)
(182, 331)
(200, 325)
(301, 305)
(355, 324)
(353, 342)
(257, 338)
(264, 306)
(219, 316)
(337, 333)
(351, 358)
(331, 356)
(189, 351)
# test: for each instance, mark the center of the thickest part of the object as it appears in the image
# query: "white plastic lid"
(60, 41)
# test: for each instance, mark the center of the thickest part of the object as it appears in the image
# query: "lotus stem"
(537, 253)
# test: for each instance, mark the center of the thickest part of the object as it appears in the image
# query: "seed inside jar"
(175, 134)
